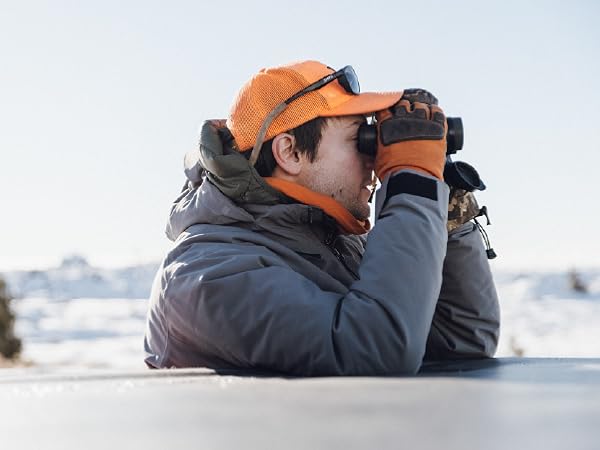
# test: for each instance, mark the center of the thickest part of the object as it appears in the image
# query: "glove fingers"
(402, 108)
(437, 114)
(421, 111)
(420, 95)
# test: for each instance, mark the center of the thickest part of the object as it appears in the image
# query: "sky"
(100, 100)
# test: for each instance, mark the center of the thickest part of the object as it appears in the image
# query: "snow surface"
(543, 316)
(80, 316)
(90, 332)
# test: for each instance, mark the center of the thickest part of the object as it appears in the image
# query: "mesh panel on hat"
(261, 95)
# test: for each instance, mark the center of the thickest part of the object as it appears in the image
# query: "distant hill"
(76, 278)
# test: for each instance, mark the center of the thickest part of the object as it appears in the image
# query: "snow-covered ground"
(80, 315)
(542, 315)
(99, 333)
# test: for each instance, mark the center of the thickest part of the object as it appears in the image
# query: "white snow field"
(96, 333)
(79, 316)
(542, 315)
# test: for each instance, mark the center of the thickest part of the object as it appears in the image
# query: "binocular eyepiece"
(457, 174)
(367, 137)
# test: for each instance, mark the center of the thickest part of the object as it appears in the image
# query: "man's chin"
(361, 213)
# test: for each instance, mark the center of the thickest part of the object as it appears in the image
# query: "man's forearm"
(466, 322)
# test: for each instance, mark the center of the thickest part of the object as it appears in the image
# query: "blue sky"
(99, 101)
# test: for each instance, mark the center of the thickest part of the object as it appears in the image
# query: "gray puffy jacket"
(257, 282)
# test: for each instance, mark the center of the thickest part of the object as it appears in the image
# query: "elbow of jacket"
(410, 363)
(490, 349)
(484, 342)
(490, 341)
(410, 357)
(487, 348)
(411, 368)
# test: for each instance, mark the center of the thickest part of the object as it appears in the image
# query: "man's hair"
(308, 135)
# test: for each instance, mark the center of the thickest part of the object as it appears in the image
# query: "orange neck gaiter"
(346, 221)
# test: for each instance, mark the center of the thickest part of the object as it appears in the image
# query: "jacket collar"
(204, 203)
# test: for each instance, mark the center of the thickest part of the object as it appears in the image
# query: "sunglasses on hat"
(347, 78)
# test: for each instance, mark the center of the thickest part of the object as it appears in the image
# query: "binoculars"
(457, 174)
(367, 137)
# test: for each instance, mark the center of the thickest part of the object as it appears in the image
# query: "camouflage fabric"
(462, 207)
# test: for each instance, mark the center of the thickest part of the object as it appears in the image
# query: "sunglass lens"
(350, 81)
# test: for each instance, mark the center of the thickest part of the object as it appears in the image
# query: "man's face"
(339, 170)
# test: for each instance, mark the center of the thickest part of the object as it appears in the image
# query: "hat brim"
(364, 103)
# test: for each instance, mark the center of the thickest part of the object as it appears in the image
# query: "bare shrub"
(10, 345)
(576, 283)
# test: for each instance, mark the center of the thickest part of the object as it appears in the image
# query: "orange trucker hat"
(270, 87)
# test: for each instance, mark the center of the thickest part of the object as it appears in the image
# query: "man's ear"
(288, 159)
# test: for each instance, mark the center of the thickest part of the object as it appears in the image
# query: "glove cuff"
(427, 157)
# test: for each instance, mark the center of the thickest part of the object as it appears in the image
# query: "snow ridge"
(76, 278)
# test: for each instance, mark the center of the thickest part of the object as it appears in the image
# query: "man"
(272, 269)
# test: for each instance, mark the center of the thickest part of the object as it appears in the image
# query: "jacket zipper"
(329, 243)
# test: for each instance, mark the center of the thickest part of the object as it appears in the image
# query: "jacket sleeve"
(252, 310)
(467, 317)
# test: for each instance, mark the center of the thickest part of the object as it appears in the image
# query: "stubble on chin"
(360, 212)
(325, 185)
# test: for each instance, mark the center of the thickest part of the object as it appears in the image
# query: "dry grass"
(13, 363)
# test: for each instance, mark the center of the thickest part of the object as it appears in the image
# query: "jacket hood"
(203, 203)
(219, 160)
